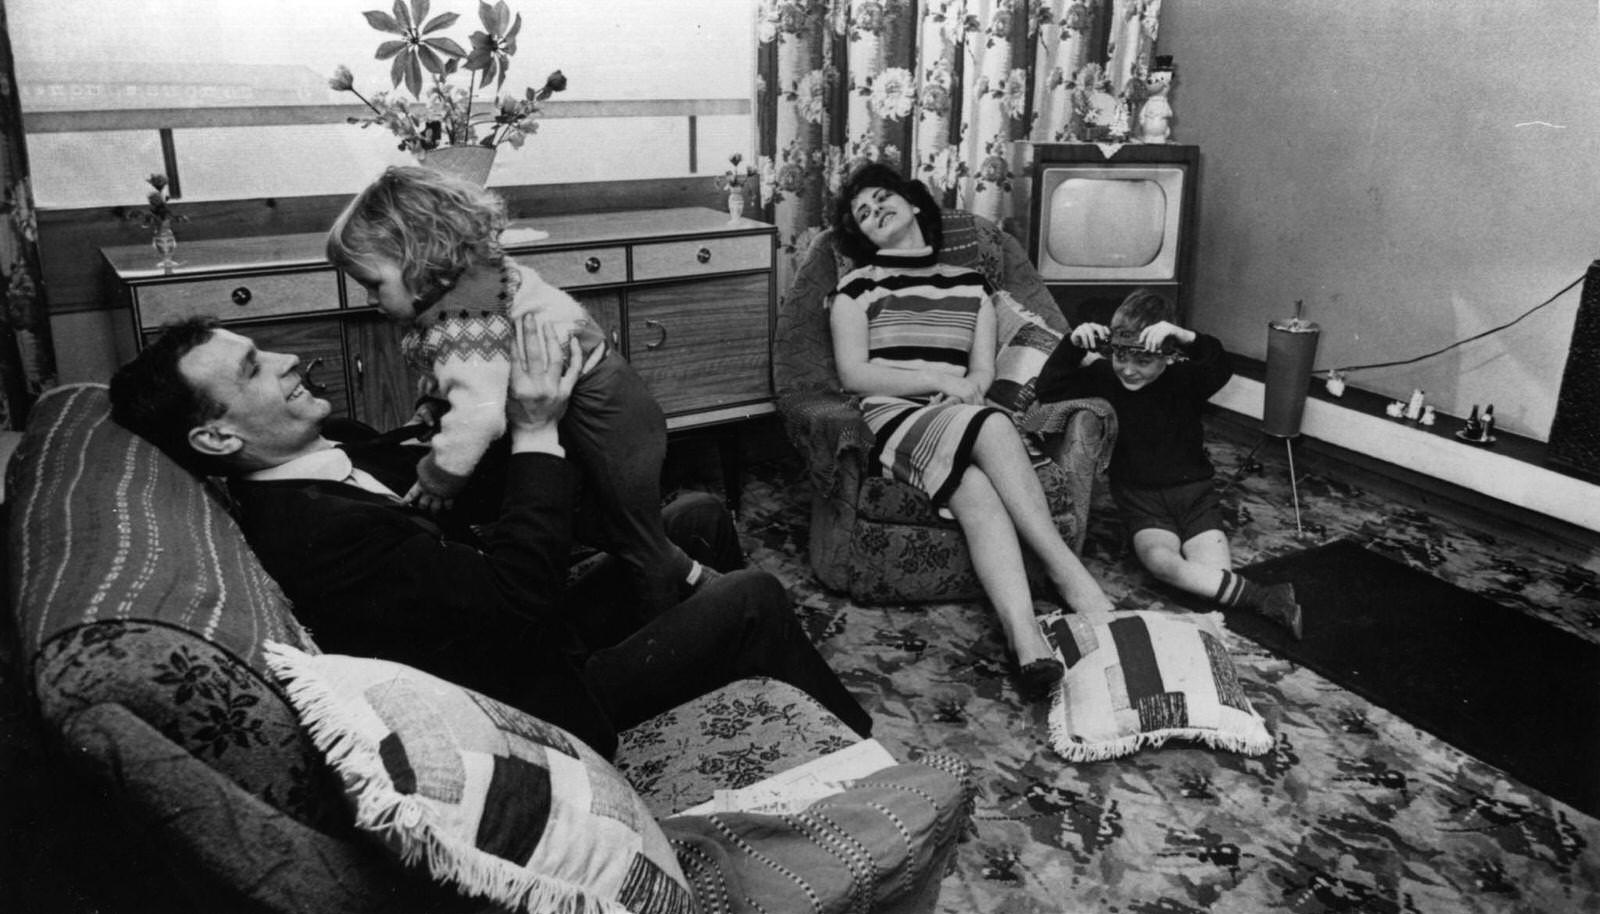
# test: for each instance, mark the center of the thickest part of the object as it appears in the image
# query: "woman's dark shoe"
(1037, 676)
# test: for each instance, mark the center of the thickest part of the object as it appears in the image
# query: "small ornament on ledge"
(1479, 428)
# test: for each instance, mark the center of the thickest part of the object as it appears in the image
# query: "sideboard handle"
(361, 370)
(241, 296)
(703, 255)
(660, 340)
(592, 264)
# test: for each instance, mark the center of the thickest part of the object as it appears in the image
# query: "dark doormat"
(1501, 686)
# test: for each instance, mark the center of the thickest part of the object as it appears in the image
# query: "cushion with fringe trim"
(491, 800)
(1137, 679)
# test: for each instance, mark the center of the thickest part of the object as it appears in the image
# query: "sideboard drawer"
(667, 259)
(240, 298)
(583, 267)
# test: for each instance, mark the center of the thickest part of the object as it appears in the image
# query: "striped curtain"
(27, 360)
(947, 90)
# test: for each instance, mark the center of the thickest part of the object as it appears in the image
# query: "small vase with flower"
(734, 181)
(159, 216)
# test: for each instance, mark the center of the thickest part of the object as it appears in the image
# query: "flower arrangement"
(158, 211)
(736, 177)
(447, 117)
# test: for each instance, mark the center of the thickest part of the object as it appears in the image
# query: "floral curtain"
(27, 360)
(950, 91)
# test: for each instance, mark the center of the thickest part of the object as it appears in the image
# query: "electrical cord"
(1345, 369)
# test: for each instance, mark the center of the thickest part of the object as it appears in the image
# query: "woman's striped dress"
(923, 315)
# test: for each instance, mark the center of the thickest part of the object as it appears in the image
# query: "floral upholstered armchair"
(881, 540)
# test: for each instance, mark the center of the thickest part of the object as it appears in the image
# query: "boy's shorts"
(1187, 510)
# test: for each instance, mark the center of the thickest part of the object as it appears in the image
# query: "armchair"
(881, 540)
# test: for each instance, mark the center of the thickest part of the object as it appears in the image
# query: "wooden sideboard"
(686, 294)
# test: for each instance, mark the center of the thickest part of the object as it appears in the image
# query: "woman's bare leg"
(1000, 454)
(997, 558)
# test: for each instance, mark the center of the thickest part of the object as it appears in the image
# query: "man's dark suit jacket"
(371, 577)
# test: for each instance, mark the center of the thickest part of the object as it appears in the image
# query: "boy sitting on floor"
(1158, 377)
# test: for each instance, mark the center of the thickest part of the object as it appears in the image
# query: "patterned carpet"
(1353, 811)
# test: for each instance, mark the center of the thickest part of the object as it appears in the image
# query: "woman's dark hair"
(847, 234)
(151, 398)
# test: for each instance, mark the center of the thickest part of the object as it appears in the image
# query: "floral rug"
(1353, 810)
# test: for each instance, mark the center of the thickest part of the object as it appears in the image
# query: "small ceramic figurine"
(1155, 120)
(1474, 426)
(1488, 423)
(1414, 408)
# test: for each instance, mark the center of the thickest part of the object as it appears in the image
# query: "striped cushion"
(1138, 679)
(884, 843)
(491, 800)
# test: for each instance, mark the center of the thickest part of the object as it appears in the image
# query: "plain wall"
(1416, 171)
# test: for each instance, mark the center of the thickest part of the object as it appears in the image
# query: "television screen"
(1101, 223)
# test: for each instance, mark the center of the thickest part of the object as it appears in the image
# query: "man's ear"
(213, 440)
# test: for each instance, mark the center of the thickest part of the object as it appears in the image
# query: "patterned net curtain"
(946, 90)
(27, 360)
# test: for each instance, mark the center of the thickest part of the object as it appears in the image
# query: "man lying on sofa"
(485, 606)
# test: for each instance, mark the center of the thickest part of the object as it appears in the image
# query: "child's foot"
(1281, 606)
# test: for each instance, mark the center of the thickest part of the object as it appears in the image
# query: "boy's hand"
(1090, 336)
(1157, 334)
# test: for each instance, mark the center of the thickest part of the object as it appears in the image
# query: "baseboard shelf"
(1509, 472)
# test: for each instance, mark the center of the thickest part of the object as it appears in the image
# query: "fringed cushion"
(491, 800)
(1137, 679)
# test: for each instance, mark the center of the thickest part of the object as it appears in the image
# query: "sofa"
(880, 540)
(135, 652)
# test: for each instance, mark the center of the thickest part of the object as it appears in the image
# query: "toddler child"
(1158, 378)
(426, 247)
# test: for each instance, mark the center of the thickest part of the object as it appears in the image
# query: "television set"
(1103, 225)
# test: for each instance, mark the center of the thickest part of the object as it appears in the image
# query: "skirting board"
(1478, 469)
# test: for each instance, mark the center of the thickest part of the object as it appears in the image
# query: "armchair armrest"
(828, 429)
(1089, 424)
(229, 846)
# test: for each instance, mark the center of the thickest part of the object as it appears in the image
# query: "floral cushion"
(725, 740)
(1137, 679)
(492, 800)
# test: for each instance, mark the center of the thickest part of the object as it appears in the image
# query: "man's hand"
(542, 377)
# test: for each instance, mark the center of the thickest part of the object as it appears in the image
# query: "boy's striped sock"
(1236, 590)
(1275, 601)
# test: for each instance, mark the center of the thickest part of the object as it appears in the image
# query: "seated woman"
(916, 339)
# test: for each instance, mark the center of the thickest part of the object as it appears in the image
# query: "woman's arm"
(858, 375)
(980, 361)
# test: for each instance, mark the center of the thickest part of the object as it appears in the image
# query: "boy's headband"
(1126, 342)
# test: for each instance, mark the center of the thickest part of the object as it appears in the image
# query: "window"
(656, 88)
